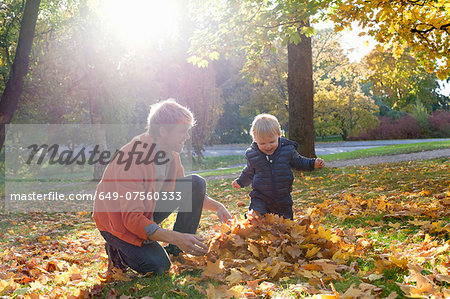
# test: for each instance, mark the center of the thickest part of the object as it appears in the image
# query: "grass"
(218, 162)
(388, 150)
(340, 198)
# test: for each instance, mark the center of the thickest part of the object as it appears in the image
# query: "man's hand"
(215, 206)
(191, 244)
(319, 163)
(223, 214)
(235, 185)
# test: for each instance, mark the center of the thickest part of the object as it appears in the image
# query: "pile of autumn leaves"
(248, 254)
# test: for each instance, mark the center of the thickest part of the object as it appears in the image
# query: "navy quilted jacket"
(272, 180)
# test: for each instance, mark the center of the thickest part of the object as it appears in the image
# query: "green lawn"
(218, 162)
(388, 150)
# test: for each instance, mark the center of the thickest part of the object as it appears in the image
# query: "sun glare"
(140, 21)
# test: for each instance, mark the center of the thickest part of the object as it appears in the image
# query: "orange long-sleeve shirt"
(121, 205)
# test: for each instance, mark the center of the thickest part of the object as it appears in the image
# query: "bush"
(405, 127)
(440, 123)
(420, 113)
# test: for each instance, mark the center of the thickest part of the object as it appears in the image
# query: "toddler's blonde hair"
(265, 125)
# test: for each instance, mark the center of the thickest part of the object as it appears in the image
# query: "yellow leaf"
(341, 256)
(213, 269)
(324, 233)
(425, 192)
(253, 249)
(43, 239)
(402, 262)
(7, 286)
(211, 291)
(306, 273)
(325, 296)
(392, 295)
(352, 292)
(395, 225)
(312, 252)
(266, 286)
(294, 251)
(62, 278)
(275, 270)
(234, 277)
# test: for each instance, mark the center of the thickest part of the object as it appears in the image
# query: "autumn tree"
(269, 87)
(399, 82)
(421, 26)
(341, 107)
(256, 27)
(19, 68)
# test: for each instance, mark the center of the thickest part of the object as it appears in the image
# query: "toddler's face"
(267, 144)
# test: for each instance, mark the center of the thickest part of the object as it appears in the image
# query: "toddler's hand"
(235, 185)
(319, 163)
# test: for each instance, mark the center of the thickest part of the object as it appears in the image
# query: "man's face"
(267, 144)
(172, 138)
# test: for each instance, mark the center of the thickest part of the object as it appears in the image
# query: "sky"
(357, 47)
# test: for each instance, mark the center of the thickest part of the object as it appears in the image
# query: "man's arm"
(189, 243)
(215, 206)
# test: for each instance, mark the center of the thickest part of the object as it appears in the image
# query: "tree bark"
(301, 95)
(99, 134)
(14, 86)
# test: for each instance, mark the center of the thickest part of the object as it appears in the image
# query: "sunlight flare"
(140, 21)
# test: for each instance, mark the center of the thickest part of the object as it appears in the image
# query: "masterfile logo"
(51, 167)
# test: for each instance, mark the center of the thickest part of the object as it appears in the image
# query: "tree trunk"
(301, 96)
(99, 135)
(96, 113)
(14, 86)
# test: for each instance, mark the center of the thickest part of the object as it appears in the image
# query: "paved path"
(370, 160)
(322, 148)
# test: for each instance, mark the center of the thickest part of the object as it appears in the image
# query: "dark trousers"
(263, 208)
(151, 256)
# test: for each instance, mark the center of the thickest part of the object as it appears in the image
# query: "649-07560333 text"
(130, 196)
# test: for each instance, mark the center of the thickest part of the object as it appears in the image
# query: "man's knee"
(157, 267)
(198, 186)
(163, 267)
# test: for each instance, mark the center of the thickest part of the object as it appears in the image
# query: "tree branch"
(278, 25)
(432, 27)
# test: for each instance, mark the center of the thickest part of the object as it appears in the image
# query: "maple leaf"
(234, 277)
(253, 249)
(213, 269)
(424, 285)
(294, 251)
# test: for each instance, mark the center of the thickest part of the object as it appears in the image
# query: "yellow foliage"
(423, 26)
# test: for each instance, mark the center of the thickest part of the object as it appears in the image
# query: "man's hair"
(265, 125)
(168, 112)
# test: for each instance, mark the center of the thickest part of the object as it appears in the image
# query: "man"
(142, 186)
